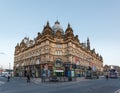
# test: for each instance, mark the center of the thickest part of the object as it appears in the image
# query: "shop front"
(58, 68)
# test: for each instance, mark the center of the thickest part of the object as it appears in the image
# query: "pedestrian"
(43, 75)
(49, 74)
(20, 74)
(28, 78)
(106, 77)
(8, 77)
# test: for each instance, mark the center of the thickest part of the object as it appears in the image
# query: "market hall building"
(56, 50)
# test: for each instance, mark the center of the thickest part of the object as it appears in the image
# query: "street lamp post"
(1, 68)
(9, 67)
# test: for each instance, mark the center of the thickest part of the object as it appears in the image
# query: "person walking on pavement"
(28, 78)
(106, 77)
(43, 75)
(49, 74)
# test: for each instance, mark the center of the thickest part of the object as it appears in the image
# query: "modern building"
(56, 50)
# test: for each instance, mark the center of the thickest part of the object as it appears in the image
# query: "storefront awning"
(58, 70)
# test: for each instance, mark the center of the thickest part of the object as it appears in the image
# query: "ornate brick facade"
(51, 46)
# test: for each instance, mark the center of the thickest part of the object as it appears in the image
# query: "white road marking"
(118, 91)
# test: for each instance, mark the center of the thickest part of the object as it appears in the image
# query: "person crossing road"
(28, 78)
(8, 77)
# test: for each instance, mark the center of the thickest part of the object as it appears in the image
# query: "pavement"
(63, 80)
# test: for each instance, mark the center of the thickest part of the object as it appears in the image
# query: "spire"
(47, 23)
(57, 22)
(68, 25)
(47, 29)
(69, 28)
(88, 43)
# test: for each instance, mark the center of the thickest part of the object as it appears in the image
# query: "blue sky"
(97, 19)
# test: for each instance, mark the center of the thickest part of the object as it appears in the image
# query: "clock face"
(58, 63)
